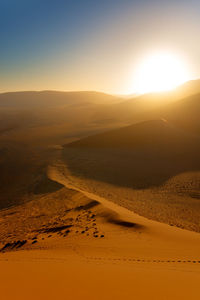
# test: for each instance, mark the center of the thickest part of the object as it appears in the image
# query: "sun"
(160, 72)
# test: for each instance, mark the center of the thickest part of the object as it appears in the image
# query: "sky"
(91, 44)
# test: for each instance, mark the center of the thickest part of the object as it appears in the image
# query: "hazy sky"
(92, 44)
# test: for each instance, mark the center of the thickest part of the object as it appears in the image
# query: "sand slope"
(135, 257)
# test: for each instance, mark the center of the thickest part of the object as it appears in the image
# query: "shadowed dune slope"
(155, 134)
(138, 156)
(23, 174)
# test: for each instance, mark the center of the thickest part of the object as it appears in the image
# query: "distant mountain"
(88, 111)
(49, 115)
(147, 106)
(154, 100)
(24, 100)
(164, 124)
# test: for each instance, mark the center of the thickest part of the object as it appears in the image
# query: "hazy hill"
(148, 106)
(184, 114)
(51, 117)
(148, 102)
(41, 99)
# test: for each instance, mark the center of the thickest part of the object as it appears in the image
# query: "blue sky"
(90, 45)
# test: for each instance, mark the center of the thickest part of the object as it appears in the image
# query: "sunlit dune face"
(160, 72)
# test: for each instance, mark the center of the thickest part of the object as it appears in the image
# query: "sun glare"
(160, 72)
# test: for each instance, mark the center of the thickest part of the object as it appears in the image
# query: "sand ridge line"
(57, 172)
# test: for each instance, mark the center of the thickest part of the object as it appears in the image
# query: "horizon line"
(97, 91)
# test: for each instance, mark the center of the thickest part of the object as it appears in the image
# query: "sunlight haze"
(160, 72)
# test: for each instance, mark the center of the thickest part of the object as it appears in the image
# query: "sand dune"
(74, 244)
(68, 222)
(143, 165)
(153, 134)
(142, 155)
